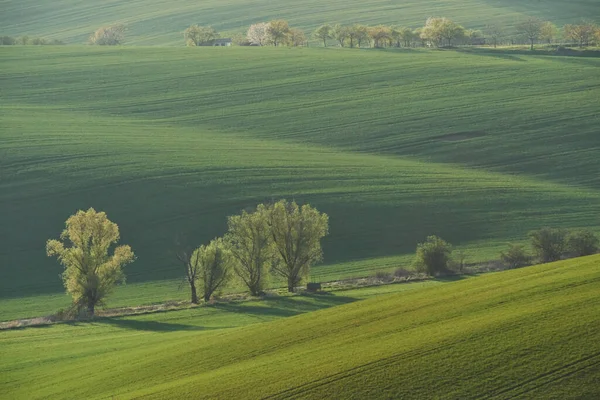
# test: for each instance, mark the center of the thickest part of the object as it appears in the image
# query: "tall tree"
(495, 32)
(548, 32)
(380, 35)
(258, 34)
(213, 261)
(196, 35)
(339, 33)
(361, 34)
(296, 233)
(323, 33)
(249, 240)
(531, 29)
(184, 255)
(83, 249)
(296, 37)
(278, 31)
(406, 36)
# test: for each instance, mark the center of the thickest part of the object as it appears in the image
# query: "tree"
(531, 29)
(213, 261)
(296, 37)
(548, 243)
(197, 35)
(380, 35)
(278, 31)
(296, 233)
(109, 35)
(7, 41)
(406, 35)
(433, 256)
(474, 36)
(83, 249)
(184, 255)
(450, 30)
(340, 33)
(515, 256)
(360, 34)
(249, 240)
(495, 32)
(323, 33)
(582, 243)
(582, 33)
(548, 32)
(258, 34)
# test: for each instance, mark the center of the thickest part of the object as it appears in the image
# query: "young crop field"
(478, 147)
(151, 22)
(531, 332)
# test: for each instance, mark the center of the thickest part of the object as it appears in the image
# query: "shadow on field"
(151, 326)
(286, 306)
(503, 54)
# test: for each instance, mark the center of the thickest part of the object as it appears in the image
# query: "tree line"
(281, 239)
(437, 32)
(435, 256)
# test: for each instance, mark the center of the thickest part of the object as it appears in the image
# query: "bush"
(515, 257)
(433, 256)
(402, 273)
(109, 35)
(384, 276)
(582, 243)
(548, 244)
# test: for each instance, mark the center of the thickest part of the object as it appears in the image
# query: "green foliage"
(214, 262)
(433, 256)
(249, 239)
(90, 272)
(582, 243)
(515, 256)
(296, 233)
(496, 333)
(323, 33)
(112, 35)
(7, 41)
(548, 244)
(197, 35)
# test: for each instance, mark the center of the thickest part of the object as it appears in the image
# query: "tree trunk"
(194, 294)
(531, 44)
(291, 284)
(91, 308)
(207, 297)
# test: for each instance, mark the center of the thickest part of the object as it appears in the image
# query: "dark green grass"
(154, 22)
(532, 332)
(171, 141)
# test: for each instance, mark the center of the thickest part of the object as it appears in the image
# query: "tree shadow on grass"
(150, 326)
(285, 306)
(504, 54)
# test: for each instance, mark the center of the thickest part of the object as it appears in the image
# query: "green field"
(478, 147)
(530, 333)
(151, 22)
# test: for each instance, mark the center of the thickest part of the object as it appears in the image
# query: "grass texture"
(478, 148)
(532, 333)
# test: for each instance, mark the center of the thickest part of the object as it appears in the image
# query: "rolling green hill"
(478, 147)
(154, 22)
(530, 333)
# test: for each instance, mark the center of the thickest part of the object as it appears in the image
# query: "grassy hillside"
(171, 141)
(154, 22)
(532, 333)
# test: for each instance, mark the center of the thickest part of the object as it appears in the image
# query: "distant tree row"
(283, 239)
(441, 32)
(26, 40)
